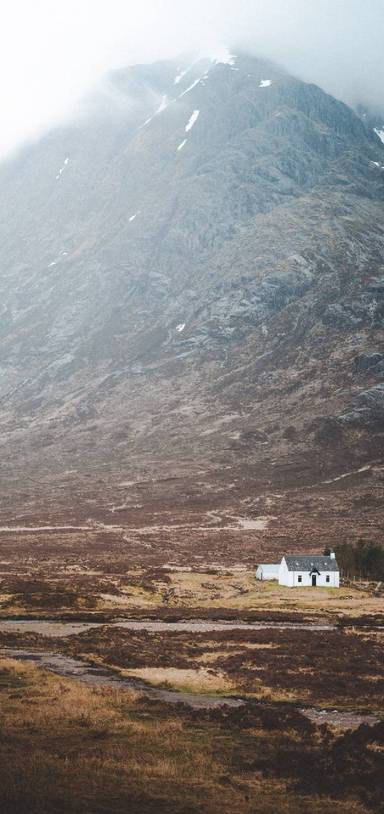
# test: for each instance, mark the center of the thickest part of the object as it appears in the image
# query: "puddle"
(340, 720)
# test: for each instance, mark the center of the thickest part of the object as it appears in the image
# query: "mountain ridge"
(189, 316)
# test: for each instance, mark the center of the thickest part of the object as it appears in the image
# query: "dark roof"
(298, 562)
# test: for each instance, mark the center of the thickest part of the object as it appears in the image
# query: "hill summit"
(192, 306)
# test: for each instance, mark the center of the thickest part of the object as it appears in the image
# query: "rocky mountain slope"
(192, 307)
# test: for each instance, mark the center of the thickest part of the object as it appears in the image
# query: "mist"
(52, 53)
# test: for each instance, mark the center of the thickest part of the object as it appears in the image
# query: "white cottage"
(298, 570)
(267, 571)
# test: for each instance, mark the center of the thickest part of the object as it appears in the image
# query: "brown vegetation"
(67, 748)
(315, 667)
(94, 573)
(64, 747)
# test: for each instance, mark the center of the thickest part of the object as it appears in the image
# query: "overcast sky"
(53, 51)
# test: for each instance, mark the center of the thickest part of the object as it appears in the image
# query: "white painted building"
(296, 571)
(267, 571)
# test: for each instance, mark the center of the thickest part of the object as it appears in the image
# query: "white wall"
(290, 578)
(265, 573)
(285, 576)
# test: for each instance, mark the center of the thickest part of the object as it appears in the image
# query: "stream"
(101, 677)
(94, 676)
(46, 627)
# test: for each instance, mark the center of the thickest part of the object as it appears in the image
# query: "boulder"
(377, 285)
(367, 408)
(367, 361)
(343, 317)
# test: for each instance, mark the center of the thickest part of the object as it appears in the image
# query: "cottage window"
(327, 578)
(299, 578)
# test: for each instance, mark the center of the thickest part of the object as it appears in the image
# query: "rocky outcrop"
(367, 409)
(372, 363)
(377, 285)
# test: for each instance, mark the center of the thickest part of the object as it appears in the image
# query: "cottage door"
(314, 580)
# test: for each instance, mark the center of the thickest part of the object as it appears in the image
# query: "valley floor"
(282, 690)
(65, 747)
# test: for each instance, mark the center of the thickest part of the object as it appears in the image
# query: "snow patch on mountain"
(183, 143)
(61, 170)
(223, 57)
(60, 257)
(181, 75)
(162, 106)
(380, 133)
(133, 217)
(193, 120)
(265, 83)
(196, 82)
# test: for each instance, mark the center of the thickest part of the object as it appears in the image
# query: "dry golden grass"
(208, 588)
(210, 657)
(241, 591)
(198, 680)
(275, 694)
(271, 596)
(67, 748)
(73, 732)
(129, 598)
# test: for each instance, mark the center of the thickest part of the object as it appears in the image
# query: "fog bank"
(52, 52)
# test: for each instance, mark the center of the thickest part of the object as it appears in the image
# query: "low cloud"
(52, 52)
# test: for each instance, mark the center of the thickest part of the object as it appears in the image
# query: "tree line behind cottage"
(360, 560)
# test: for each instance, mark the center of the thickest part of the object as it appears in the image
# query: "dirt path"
(33, 529)
(219, 524)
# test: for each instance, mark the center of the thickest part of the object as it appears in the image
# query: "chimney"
(332, 554)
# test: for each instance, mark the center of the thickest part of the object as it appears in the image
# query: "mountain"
(192, 308)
